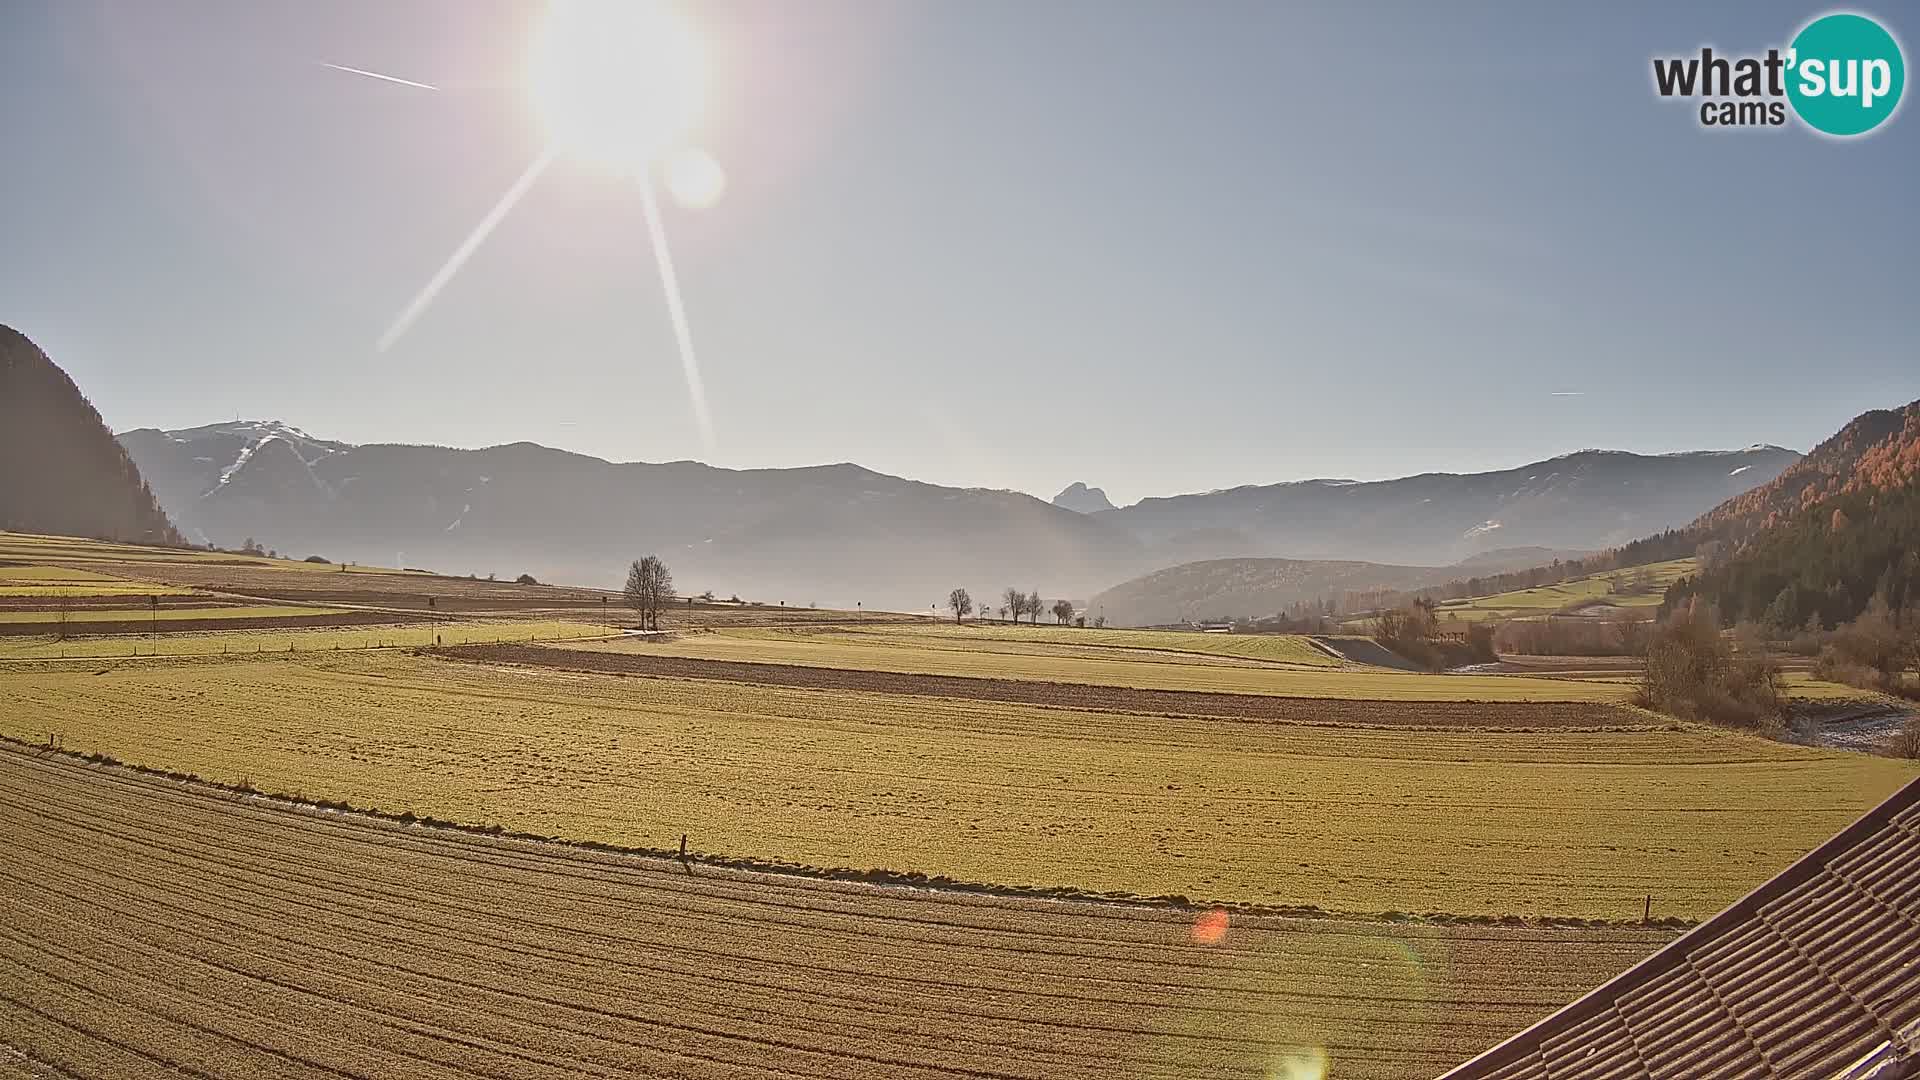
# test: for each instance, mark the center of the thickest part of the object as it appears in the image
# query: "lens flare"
(1210, 928)
(465, 251)
(694, 179)
(677, 311)
(1299, 1063)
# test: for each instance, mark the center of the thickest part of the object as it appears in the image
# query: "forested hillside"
(1831, 536)
(1871, 451)
(61, 471)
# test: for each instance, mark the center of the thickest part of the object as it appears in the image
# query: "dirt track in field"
(1335, 711)
(151, 926)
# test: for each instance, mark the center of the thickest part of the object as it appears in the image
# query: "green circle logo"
(1845, 74)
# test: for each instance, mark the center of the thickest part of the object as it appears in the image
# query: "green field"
(1633, 587)
(1471, 821)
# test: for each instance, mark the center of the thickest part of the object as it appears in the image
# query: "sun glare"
(617, 82)
(695, 180)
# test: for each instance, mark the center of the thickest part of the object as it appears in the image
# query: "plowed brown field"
(151, 927)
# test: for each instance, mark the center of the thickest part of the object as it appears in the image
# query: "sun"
(617, 82)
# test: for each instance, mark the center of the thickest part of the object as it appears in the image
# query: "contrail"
(467, 248)
(658, 231)
(1567, 393)
(377, 75)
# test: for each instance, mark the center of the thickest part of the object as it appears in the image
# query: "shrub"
(1695, 673)
(1574, 636)
(1906, 741)
(525, 579)
(1414, 633)
(317, 559)
(1871, 653)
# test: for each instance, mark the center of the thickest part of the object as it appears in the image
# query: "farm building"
(1816, 973)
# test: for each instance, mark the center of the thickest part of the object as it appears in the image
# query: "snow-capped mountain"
(186, 466)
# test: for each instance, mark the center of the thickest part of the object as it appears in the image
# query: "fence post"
(1647, 915)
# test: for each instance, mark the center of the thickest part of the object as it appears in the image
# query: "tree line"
(1014, 604)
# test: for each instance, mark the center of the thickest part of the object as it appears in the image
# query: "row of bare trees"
(1015, 603)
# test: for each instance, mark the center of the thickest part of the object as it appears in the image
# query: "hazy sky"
(1155, 247)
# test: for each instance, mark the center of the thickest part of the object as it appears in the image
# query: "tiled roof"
(1816, 973)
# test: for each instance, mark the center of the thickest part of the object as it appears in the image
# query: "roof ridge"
(1676, 953)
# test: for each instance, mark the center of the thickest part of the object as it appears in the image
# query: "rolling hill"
(1587, 500)
(60, 469)
(1249, 588)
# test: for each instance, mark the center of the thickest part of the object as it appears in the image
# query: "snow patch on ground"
(1866, 733)
(1740, 470)
(227, 473)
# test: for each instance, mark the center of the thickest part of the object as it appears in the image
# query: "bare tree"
(636, 590)
(1016, 603)
(649, 586)
(1062, 611)
(1035, 606)
(1003, 613)
(960, 604)
(662, 586)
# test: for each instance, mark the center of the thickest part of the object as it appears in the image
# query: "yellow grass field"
(297, 641)
(163, 615)
(155, 927)
(1008, 654)
(1276, 648)
(76, 551)
(1573, 823)
(59, 581)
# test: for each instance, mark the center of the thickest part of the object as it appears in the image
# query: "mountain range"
(843, 534)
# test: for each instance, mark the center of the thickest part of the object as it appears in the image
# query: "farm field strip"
(140, 613)
(364, 631)
(1270, 648)
(1348, 819)
(1331, 711)
(318, 942)
(849, 651)
(1633, 587)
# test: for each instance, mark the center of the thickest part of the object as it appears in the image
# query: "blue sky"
(1153, 247)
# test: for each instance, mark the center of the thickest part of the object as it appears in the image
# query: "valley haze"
(841, 534)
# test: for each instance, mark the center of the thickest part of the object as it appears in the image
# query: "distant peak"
(1082, 499)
